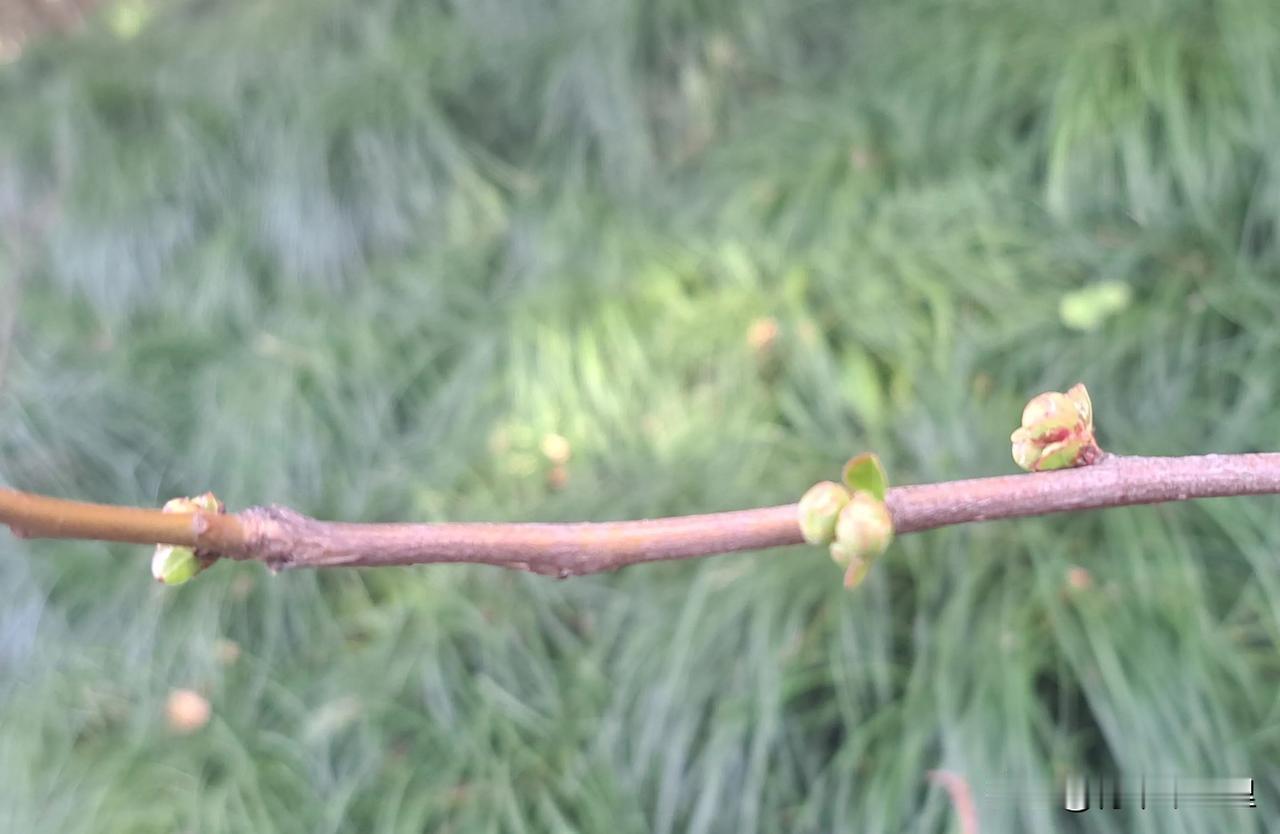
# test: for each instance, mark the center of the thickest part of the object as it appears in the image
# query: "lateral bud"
(174, 564)
(818, 511)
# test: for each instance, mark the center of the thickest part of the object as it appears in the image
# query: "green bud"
(173, 565)
(864, 530)
(818, 511)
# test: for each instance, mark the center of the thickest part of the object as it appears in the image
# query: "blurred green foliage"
(361, 258)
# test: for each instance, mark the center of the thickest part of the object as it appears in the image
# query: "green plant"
(361, 258)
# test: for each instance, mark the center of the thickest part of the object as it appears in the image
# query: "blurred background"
(581, 261)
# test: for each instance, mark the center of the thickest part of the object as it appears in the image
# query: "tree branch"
(282, 538)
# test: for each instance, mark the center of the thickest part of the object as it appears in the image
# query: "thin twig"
(283, 538)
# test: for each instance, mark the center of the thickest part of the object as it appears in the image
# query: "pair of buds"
(173, 564)
(851, 518)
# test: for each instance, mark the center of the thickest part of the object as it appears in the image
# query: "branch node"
(274, 535)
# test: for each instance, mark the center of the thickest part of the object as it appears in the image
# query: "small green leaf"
(865, 473)
(1086, 309)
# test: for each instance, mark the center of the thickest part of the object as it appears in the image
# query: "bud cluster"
(850, 518)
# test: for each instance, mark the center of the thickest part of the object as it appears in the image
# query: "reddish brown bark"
(283, 538)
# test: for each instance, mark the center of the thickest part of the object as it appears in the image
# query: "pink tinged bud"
(1056, 432)
(818, 510)
(1079, 579)
(863, 530)
(187, 711)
